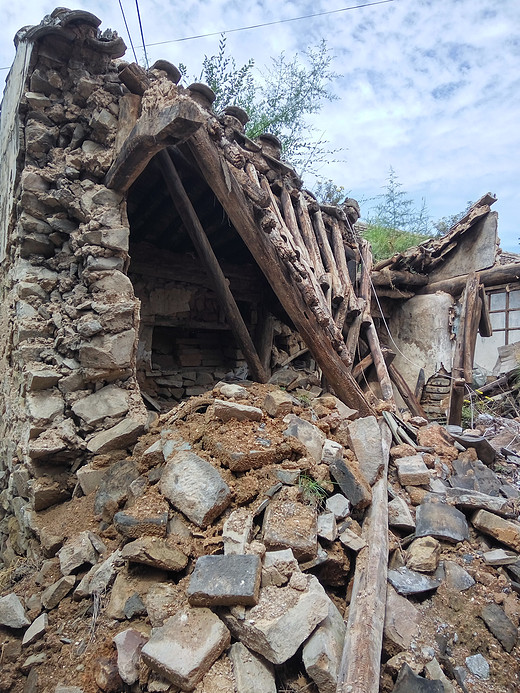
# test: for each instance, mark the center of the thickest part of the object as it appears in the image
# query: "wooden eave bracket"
(152, 132)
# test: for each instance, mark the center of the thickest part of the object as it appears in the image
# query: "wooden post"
(360, 666)
(208, 258)
(310, 241)
(328, 257)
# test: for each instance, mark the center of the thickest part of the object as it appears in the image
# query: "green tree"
(394, 223)
(278, 99)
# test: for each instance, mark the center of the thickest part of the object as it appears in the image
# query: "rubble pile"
(217, 554)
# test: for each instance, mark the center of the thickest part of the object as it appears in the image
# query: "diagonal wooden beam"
(207, 257)
(230, 194)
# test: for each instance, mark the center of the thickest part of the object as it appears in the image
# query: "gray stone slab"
(114, 488)
(195, 487)
(323, 650)
(478, 666)
(456, 577)
(119, 437)
(12, 613)
(500, 625)
(253, 674)
(365, 440)
(109, 401)
(351, 540)
(441, 521)
(399, 515)
(339, 505)
(53, 595)
(352, 483)
(282, 620)
(306, 433)
(433, 671)
(186, 646)
(36, 629)
(402, 621)
(225, 580)
(500, 557)
(407, 582)
(77, 552)
(473, 500)
(327, 526)
(410, 682)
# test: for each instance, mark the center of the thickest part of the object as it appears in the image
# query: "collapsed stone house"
(149, 248)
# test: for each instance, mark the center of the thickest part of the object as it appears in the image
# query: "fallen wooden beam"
(207, 256)
(392, 278)
(501, 274)
(361, 660)
(406, 392)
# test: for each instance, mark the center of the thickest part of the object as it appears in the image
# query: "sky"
(430, 88)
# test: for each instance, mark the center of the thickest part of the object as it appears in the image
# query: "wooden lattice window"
(504, 309)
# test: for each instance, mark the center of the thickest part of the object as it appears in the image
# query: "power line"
(279, 21)
(128, 30)
(231, 31)
(142, 35)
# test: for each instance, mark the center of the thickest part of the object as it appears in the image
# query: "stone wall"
(69, 314)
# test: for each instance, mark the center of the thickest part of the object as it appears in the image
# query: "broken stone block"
(90, 478)
(53, 595)
(129, 644)
(338, 505)
(322, 651)
(402, 622)
(278, 567)
(352, 482)
(41, 379)
(109, 401)
(406, 581)
(289, 524)
(106, 675)
(351, 540)
(506, 532)
(185, 647)
(45, 492)
(225, 411)
(281, 621)
(399, 515)
(149, 516)
(253, 674)
(225, 581)
(306, 433)
(100, 577)
(365, 440)
(237, 531)
(500, 557)
(478, 666)
(331, 451)
(412, 471)
(437, 519)
(423, 555)
(232, 391)
(410, 682)
(12, 613)
(327, 526)
(113, 491)
(36, 629)
(500, 625)
(121, 436)
(108, 351)
(278, 403)
(43, 407)
(434, 672)
(76, 552)
(456, 577)
(155, 552)
(473, 500)
(195, 487)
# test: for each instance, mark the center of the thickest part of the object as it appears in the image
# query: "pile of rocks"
(224, 548)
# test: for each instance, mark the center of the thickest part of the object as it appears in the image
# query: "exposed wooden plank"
(392, 278)
(328, 354)
(361, 659)
(405, 391)
(328, 257)
(208, 258)
(310, 242)
(485, 328)
(500, 274)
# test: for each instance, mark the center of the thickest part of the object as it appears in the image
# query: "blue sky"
(428, 87)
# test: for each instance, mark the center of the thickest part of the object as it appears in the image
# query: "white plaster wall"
(421, 329)
(10, 137)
